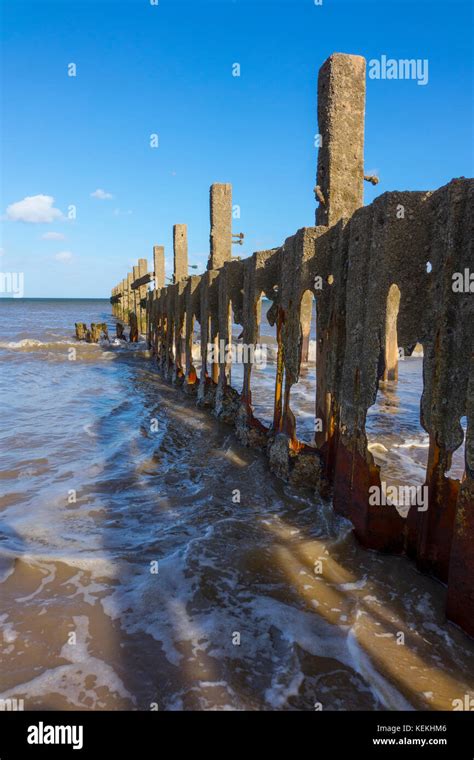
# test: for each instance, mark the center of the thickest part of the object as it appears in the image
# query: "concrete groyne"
(385, 277)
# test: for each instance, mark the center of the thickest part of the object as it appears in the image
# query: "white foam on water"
(197, 599)
(282, 689)
(86, 587)
(49, 576)
(7, 567)
(414, 443)
(386, 693)
(356, 586)
(9, 634)
(322, 639)
(69, 681)
(125, 345)
(204, 691)
(378, 447)
(34, 343)
(160, 608)
(99, 566)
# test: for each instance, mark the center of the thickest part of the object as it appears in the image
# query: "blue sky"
(167, 69)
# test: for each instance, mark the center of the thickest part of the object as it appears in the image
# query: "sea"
(148, 561)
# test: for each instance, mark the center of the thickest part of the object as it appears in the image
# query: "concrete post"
(159, 265)
(130, 297)
(341, 110)
(192, 301)
(180, 252)
(123, 300)
(221, 225)
(135, 322)
(142, 291)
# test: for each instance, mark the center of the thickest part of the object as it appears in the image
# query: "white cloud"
(36, 209)
(119, 212)
(53, 236)
(101, 194)
(63, 256)
(2, 251)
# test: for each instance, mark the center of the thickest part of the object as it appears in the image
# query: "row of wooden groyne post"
(382, 276)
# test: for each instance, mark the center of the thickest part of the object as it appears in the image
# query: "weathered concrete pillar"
(159, 265)
(192, 310)
(133, 328)
(209, 337)
(180, 252)
(159, 279)
(124, 300)
(180, 274)
(95, 332)
(135, 322)
(179, 369)
(142, 291)
(123, 286)
(341, 109)
(119, 303)
(230, 285)
(257, 277)
(159, 318)
(151, 327)
(162, 328)
(460, 601)
(130, 297)
(149, 312)
(221, 225)
(81, 329)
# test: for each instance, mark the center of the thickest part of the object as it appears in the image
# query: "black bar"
(346, 734)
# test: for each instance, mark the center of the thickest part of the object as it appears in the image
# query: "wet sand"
(262, 598)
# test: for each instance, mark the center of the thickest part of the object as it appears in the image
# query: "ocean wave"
(33, 343)
(264, 351)
(414, 443)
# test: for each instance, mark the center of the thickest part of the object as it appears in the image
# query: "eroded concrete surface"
(382, 276)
